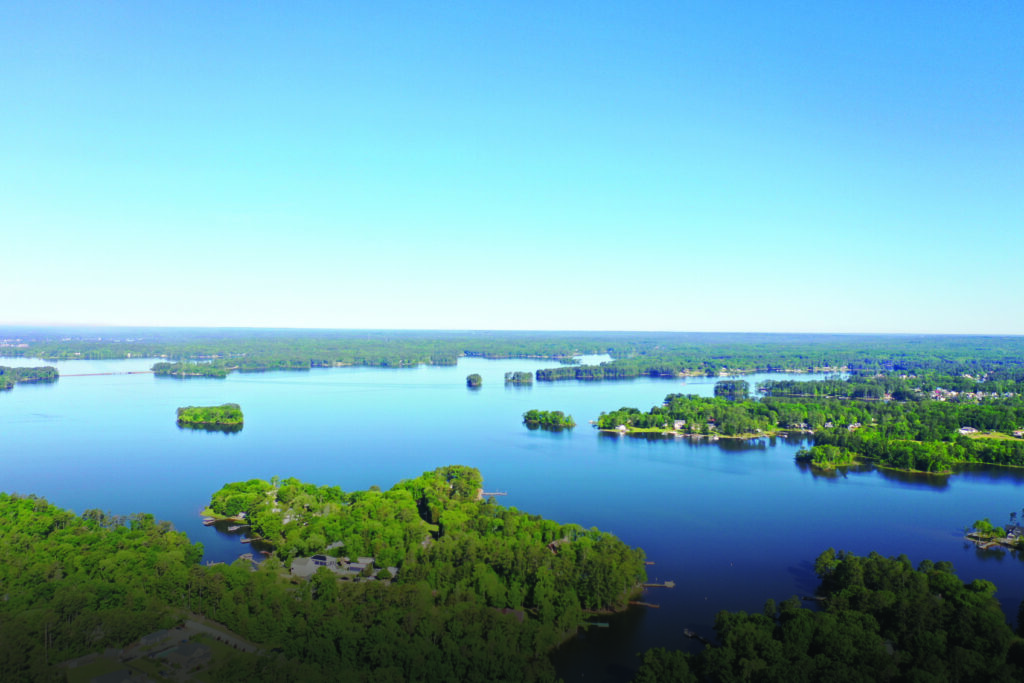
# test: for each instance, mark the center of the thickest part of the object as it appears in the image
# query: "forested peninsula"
(11, 376)
(928, 423)
(478, 592)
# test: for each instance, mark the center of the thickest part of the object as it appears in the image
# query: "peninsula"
(11, 376)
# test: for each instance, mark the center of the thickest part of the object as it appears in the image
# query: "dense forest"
(474, 381)
(880, 620)
(518, 378)
(436, 529)
(11, 376)
(226, 415)
(553, 420)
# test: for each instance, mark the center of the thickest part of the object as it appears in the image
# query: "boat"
(208, 521)
(234, 528)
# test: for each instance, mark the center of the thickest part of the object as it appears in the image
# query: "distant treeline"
(635, 354)
(859, 355)
(11, 376)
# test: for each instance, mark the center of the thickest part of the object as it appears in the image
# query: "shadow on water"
(620, 663)
(804, 577)
(224, 429)
(935, 482)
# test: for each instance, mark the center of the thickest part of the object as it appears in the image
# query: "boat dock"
(644, 604)
(667, 584)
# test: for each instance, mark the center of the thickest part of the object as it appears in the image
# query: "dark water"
(732, 523)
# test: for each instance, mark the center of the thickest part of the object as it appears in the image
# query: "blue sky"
(834, 167)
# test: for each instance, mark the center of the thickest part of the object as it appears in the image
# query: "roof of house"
(303, 567)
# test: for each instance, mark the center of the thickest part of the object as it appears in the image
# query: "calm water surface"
(732, 523)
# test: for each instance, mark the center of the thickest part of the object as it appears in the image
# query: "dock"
(667, 584)
(692, 634)
(644, 604)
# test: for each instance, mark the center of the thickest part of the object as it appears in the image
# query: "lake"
(733, 523)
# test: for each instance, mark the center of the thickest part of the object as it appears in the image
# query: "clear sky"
(718, 166)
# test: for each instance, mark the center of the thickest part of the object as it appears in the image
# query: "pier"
(667, 584)
(644, 604)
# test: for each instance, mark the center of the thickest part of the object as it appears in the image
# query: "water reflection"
(937, 482)
(225, 429)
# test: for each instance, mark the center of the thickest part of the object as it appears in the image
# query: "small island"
(551, 420)
(222, 418)
(474, 381)
(827, 457)
(987, 535)
(518, 378)
(185, 370)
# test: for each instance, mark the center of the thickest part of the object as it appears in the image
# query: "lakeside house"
(968, 430)
(305, 567)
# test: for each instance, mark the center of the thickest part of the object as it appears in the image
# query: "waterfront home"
(968, 430)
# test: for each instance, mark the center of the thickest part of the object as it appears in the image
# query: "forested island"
(914, 423)
(518, 378)
(11, 376)
(474, 381)
(553, 420)
(220, 418)
(186, 370)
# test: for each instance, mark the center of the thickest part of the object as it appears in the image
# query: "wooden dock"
(691, 634)
(667, 584)
(644, 604)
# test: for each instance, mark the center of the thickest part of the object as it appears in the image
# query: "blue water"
(732, 523)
